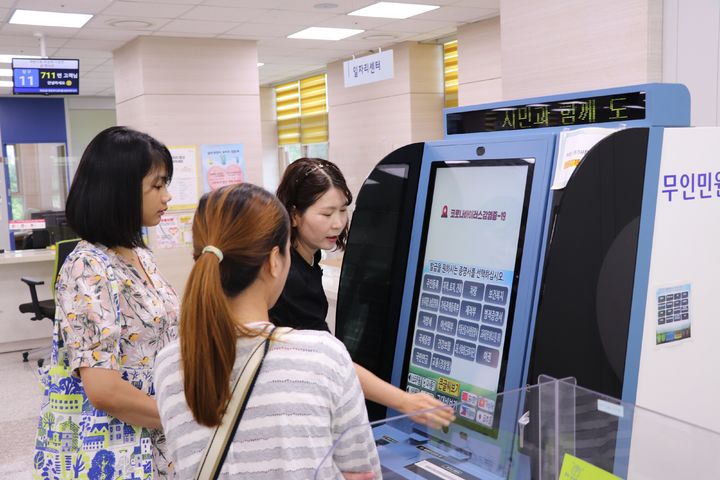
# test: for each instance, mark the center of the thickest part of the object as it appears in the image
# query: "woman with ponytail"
(306, 392)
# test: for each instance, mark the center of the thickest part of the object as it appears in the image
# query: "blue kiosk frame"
(472, 134)
(666, 105)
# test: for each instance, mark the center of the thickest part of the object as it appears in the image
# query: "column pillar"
(187, 91)
(191, 91)
(369, 121)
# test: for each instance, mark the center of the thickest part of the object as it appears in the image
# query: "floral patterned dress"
(97, 335)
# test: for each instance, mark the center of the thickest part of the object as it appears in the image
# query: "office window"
(302, 119)
(12, 170)
(450, 73)
(313, 110)
(37, 178)
(301, 108)
(287, 108)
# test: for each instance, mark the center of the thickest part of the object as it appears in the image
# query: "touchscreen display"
(466, 281)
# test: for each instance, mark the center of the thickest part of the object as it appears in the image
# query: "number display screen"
(45, 76)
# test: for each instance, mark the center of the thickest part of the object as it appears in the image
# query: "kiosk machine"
(569, 235)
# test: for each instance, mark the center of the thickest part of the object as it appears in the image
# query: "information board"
(465, 285)
(46, 76)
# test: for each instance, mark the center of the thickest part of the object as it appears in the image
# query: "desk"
(16, 329)
(27, 256)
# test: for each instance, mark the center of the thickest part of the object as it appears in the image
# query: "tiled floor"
(19, 407)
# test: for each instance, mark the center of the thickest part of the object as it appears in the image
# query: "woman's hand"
(107, 391)
(435, 415)
(381, 392)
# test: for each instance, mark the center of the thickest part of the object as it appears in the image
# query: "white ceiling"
(269, 22)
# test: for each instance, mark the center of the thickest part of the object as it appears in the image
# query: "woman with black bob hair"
(115, 310)
(105, 203)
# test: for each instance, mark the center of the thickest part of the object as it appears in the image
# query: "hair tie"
(215, 251)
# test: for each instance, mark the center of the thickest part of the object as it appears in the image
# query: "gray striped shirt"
(306, 397)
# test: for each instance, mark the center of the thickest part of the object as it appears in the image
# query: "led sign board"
(621, 107)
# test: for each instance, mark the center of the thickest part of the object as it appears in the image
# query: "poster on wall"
(184, 185)
(222, 165)
(572, 146)
(175, 230)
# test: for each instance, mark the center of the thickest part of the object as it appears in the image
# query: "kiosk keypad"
(673, 307)
(458, 320)
(468, 311)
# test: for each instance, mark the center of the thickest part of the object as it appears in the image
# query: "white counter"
(27, 256)
(16, 328)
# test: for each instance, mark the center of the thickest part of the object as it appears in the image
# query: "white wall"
(86, 117)
(556, 46)
(480, 63)
(156, 93)
(691, 54)
(544, 47)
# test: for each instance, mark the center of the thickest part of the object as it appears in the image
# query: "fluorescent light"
(6, 72)
(5, 58)
(6, 83)
(393, 10)
(49, 19)
(260, 64)
(323, 33)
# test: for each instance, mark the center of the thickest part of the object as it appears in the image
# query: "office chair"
(40, 238)
(46, 308)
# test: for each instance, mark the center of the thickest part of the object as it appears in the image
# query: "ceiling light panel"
(325, 33)
(49, 19)
(393, 10)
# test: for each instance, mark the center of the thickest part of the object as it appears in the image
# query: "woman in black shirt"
(302, 304)
(316, 197)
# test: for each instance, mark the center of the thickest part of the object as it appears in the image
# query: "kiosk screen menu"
(465, 286)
